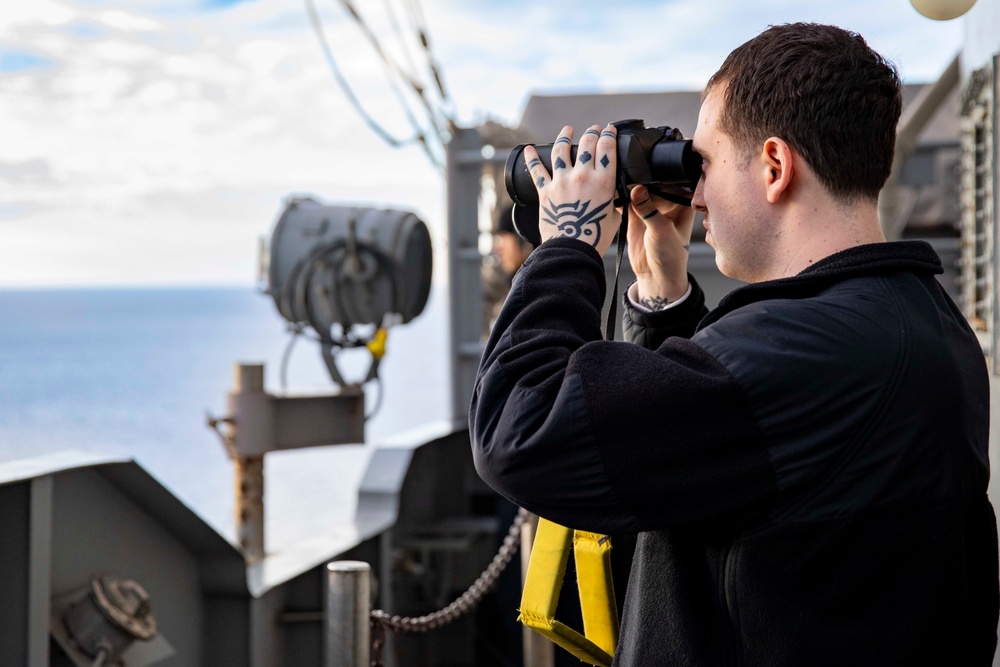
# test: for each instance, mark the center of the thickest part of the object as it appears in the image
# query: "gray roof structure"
(545, 115)
(132, 480)
(929, 178)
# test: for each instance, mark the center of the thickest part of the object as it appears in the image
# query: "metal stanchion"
(348, 612)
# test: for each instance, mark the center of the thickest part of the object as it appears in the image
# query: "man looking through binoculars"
(807, 463)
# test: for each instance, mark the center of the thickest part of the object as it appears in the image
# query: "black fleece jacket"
(807, 464)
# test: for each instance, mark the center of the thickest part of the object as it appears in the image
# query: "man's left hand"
(576, 199)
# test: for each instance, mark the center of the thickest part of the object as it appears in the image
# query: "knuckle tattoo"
(576, 220)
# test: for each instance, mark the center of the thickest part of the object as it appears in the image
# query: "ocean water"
(134, 372)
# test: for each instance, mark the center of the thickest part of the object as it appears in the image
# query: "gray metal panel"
(39, 588)
(378, 508)
(97, 529)
(268, 647)
(278, 568)
(226, 631)
(545, 115)
(15, 505)
(391, 463)
(316, 420)
(184, 523)
(138, 485)
(950, 252)
(38, 466)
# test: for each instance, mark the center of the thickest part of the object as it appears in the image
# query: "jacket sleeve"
(606, 436)
(650, 329)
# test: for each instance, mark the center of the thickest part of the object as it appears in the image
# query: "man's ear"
(778, 162)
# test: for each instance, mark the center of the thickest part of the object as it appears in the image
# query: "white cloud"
(38, 12)
(128, 22)
(170, 136)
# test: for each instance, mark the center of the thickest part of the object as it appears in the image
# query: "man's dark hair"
(823, 90)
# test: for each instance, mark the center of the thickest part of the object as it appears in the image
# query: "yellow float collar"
(543, 583)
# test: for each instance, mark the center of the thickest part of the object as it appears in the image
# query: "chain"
(378, 642)
(467, 600)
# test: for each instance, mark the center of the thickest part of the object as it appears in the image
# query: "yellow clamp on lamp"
(377, 344)
(377, 348)
(543, 583)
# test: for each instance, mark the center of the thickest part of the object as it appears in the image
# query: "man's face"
(732, 199)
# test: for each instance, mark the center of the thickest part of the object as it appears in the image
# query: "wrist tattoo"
(575, 220)
(655, 302)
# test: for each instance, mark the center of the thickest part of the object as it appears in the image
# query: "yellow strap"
(597, 592)
(543, 583)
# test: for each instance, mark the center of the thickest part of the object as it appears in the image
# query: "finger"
(588, 146)
(607, 148)
(536, 168)
(643, 205)
(636, 232)
(561, 150)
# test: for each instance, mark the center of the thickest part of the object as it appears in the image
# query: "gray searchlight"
(348, 273)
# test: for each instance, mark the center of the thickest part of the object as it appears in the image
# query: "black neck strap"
(625, 199)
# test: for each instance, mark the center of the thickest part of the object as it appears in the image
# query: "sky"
(153, 142)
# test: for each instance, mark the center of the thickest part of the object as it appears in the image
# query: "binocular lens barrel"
(520, 185)
(659, 158)
(671, 163)
(675, 162)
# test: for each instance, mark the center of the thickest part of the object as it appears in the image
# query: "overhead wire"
(397, 28)
(387, 59)
(372, 124)
(439, 114)
(438, 119)
(420, 26)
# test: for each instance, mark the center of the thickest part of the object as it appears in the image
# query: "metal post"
(39, 571)
(250, 474)
(386, 599)
(538, 651)
(464, 170)
(348, 613)
(250, 505)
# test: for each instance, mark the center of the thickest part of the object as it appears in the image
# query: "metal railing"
(349, 617)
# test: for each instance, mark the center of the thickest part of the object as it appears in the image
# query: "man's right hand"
(659, 238)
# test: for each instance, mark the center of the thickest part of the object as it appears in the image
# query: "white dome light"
(942, 10)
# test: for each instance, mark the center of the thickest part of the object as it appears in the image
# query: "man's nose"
(698, 199)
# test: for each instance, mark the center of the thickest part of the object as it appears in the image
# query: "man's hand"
(659, 236)
(575, 200)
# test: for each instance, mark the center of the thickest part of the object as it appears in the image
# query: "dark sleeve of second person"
(650, 330)
(607, 436)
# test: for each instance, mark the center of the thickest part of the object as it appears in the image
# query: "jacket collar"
(863, 260)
